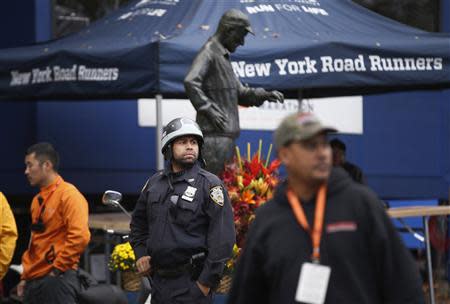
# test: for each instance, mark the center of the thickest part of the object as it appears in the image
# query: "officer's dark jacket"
(176, 217)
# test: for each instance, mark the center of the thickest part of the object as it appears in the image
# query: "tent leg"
(159, 156)
(299, 100)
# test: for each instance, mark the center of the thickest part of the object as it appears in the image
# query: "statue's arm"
(194, 80)
(194, 90)
(256, 97)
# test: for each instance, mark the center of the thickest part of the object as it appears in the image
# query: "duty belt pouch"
(196, 271)
(197, 262)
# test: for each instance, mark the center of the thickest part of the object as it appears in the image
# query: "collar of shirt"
(219, 47)
(280, 196)
(188, 175)
(45, 191)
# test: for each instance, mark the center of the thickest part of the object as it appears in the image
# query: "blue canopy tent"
(322, 47)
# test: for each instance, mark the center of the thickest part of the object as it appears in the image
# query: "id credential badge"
(313, 283)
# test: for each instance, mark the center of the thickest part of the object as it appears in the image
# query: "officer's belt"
(173, 272)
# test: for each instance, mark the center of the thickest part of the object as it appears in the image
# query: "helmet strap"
(168, 152)
(200, 158)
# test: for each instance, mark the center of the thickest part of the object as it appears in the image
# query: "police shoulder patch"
(216, 194)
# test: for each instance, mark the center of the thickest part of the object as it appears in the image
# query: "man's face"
(308, 161)
(234, 38)
(36, 171)
(184, 151)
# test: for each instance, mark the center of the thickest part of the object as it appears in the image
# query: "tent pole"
(159, 156)
(299, 99)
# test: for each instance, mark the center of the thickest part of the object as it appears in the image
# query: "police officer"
(182, 229)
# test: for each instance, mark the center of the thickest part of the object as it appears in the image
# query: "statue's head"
(233, 27)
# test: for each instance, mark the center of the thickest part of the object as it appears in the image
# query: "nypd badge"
(189, 194)
(216, 194)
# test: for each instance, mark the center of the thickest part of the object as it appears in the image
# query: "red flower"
(274, 165)
(255, 166)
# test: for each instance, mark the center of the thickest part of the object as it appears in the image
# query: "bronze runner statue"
(215, 91)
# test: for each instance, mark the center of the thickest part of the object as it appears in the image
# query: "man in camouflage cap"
(322, 238)
(298, 127)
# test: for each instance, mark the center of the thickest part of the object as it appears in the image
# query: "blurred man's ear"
(283, 155)
(47, 165)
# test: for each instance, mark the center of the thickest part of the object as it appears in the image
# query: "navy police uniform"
(184, 221)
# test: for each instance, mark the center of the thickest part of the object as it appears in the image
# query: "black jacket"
(369, 263)
(355, 172)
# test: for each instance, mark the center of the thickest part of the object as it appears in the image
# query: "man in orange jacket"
(59, 232)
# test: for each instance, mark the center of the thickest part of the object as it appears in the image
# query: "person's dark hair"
(338, 144)
(45, 151)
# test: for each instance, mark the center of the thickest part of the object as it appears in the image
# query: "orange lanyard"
(42, 205)
(299, 213)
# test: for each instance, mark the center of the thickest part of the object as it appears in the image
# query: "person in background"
(59, 232)
(182, 228)
(322, 238)
(339, 160)
(8, 235)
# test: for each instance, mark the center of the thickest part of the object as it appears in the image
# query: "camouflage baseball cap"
(299, 126)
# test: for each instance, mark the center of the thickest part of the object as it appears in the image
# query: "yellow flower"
(240, 181)
(261, 186)
(122, 257)
(235, 248)
(229, 263)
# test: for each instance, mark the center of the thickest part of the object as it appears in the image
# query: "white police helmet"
(180, 127)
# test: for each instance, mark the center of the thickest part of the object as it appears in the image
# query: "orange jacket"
(8, 235)
(65, 217)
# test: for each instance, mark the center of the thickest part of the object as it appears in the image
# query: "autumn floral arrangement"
(250, 182)
(122, 258)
